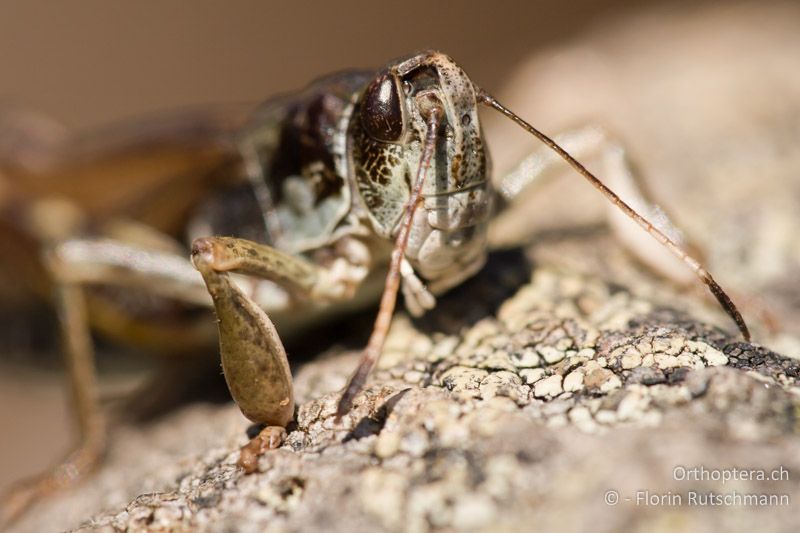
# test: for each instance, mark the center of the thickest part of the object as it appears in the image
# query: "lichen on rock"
(483, 428)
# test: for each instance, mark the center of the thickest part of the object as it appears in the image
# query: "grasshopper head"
(387, 136)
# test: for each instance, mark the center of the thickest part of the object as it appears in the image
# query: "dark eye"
(382, 109)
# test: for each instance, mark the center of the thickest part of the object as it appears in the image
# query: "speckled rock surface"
(563, 389)
(524, 417)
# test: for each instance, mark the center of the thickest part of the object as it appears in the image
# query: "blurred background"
(95, 62)
(677, 80)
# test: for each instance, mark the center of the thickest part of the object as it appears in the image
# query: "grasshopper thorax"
(387, 133)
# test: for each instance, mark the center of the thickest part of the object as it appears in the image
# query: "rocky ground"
(566, 387)
(530, 414)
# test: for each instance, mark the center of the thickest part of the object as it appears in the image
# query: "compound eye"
(382, 109)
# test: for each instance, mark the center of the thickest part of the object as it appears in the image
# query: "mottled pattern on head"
(448, 232)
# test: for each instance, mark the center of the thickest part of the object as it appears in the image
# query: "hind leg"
(73, 265)
(79, 358)
(642, 228)
(598, 149)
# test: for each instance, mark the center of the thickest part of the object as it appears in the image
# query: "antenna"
(389, 298)
(721, 296)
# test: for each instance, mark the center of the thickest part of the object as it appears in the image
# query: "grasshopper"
(363, 176)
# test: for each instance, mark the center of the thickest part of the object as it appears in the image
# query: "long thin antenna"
(389, 298)
(721, 296)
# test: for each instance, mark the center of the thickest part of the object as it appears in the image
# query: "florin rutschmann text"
(698, 476)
